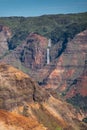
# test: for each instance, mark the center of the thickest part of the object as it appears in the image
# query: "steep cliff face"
(5, 34)
(30, 54)
(17, 87)
(79, 86)
(69, 77)
(33, 54)
(71, 64)
(77, 94)
(31, 57)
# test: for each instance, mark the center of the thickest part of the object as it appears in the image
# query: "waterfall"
(49, 43)
(48, 56)
(48, 51)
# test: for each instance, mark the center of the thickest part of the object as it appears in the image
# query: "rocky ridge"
(27, 102)
(16, 87)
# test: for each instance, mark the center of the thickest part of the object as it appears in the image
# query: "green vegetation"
(17, 38)
(79, 102)
(85, 120)
(6, 53)
(57, 27)
(58, 128)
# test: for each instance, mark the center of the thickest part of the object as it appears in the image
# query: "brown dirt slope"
(11, 121)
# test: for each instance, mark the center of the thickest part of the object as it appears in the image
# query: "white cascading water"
(48, 51)
(48, 56)
(49, 43)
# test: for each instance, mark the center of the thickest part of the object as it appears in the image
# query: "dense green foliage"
(85, 120)
(57, 27)
(79, 102)
(17, 38)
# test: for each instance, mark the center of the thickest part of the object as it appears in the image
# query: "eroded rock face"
(62, 72)
(33, 52)
(5, 34)
(70, 64)
(17, 87)
(69, 77)
(79, 86)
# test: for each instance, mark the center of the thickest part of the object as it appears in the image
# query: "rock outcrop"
(17, 87)
(5, 34)
(34, 52)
